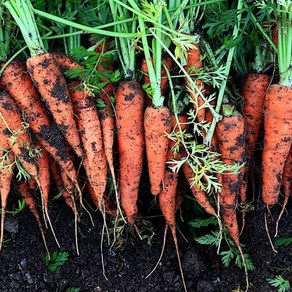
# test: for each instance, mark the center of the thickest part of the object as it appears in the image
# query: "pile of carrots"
(89, 139)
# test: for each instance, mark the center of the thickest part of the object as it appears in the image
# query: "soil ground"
(23, 268)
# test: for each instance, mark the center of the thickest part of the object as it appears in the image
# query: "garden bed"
(23, 267)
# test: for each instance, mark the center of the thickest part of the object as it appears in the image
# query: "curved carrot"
(129, 121)
(230, 132)
(50, 82)
(253, 91)
(65, 62)
(277, 140)
(157, 123)
(90, 130)
(17, 136)
(5, 181)
(24, 191)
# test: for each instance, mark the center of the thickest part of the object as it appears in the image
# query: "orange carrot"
(90, 130)
(60, 184)
(277, 140)
(157, 123)
(129, 121)
(18, 84)
(230, 132)
(201, 197)
(51, 84)
(24, 191)
(194, 62)
(5, 180)
(109, 206)
(65, 62)
(253, 91)
(12, 127)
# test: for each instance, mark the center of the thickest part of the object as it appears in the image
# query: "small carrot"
(60, 184)
(277, 140)
(230, 132)
(194, 62)
(88, 124)
(287, 186)
(24, 191)
(129, 122)
(157, 123)
(50, 82)
(6, 176)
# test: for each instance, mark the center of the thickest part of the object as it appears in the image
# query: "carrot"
(90, 130)
(287, 186)
(194, 62)
(230, 132)
(51, 84)
(65, 62)
(167, 63)
(129, 122)
(253, 91)
(18, 84)
(24, 191)
(12, 127)
(277, 140)
(5, 180)
(60, 184)
(201, 197)
(157, 123)
(109, 206)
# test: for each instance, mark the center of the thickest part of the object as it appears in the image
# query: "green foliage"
(55, 260)
(280, 283)
(283, 241)
(72, 290)
(20, 207)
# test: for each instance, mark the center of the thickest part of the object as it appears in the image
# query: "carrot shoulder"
(129, 122)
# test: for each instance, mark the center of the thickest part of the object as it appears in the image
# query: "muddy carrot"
(129, 122)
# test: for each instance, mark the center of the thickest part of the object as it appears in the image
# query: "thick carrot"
(277, 140)
(24, 191)
(5, 180)
(50, 82)
(230, 132)
(18, 84)
(91, 135)
(194, 62)
(157, 122)
(129, 122)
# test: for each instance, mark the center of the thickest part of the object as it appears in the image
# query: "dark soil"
(23, 268)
